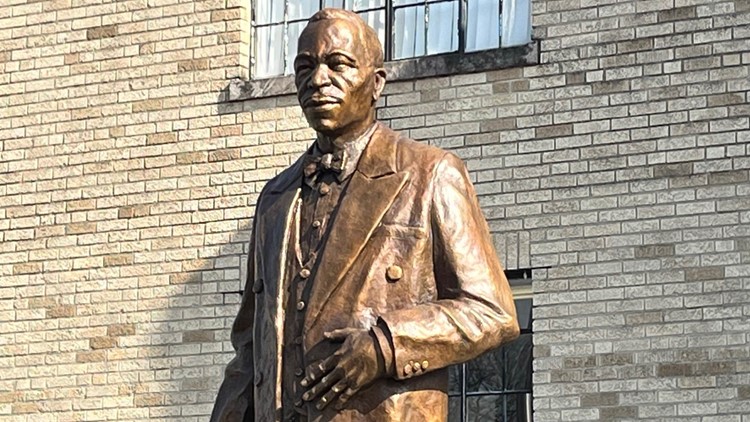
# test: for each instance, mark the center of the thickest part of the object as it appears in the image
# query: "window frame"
(524, 56)
(389, 9)
(521, 286)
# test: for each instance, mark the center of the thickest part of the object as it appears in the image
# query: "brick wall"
(621, 162)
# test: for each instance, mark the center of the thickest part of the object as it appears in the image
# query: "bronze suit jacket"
(408, 205)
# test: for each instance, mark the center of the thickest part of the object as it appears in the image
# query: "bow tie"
(333, 162)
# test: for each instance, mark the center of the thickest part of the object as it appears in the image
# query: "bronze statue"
(371, 267)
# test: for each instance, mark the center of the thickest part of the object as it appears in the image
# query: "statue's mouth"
(321, 103)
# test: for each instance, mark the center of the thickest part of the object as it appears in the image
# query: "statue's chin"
(323, 126)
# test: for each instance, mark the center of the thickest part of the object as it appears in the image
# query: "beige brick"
(25, 408)
(80, 228)
(91, 356)
(107, 31)
(147, 105)
(118, 260)
(61, 311)
(30, 268)
(554, 131)
(115, 330)
(226, 15)
(148, 400)
(161, 138)
(192, 157)
(226, 130)
(224, 155)
(103, 343)
(198, 336)
(193, 65)
(704, 273)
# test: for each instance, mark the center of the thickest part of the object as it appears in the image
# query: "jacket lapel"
(275, 231)
(371, 191)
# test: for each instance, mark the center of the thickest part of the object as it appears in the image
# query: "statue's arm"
(235, 401)
(475, 310)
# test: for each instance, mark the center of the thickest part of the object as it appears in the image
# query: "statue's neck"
(337, 142)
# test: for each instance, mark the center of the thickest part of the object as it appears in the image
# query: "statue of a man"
(371, 267)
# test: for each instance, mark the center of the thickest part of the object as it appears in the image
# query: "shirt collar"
(353, 152)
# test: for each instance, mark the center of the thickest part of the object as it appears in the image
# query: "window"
(496, 387)
(407, 28)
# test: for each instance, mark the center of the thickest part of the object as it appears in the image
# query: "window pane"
(269, 11)
(454, 379)
(483, 25)
(403, 2)
(484, 409)
(269, 51)
(366, 4)
(339, 4)
(442, 27)
(454, 409)
(485, 373)
(523, 309)
(518, 367)
(408, 32)
(302, 9)
(294, 30)
(516, 27)
(376, 19)
(518, 408)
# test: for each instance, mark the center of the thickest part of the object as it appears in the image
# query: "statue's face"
(335, 80)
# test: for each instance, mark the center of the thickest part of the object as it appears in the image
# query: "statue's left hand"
(353, 366)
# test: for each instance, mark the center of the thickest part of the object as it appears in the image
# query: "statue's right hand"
(353, 366)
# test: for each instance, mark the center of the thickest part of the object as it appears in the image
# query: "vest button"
(258, 285)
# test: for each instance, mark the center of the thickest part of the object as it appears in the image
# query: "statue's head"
(338, 72)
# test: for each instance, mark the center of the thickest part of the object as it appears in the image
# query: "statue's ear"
(379, 79)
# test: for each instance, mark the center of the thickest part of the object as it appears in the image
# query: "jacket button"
(394, 273)
(258, 285)
(425, 364)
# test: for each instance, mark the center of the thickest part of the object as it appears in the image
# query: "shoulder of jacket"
(419, 156)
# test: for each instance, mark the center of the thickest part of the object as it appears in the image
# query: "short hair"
(367, 35)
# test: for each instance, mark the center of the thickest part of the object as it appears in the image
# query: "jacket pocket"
(400, 231)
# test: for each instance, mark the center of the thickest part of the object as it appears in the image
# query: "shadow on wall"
(192, 317)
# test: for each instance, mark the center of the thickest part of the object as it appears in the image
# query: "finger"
(344, 397)
(340, 334)
(330, 396)
(317, 370)
(323, 386)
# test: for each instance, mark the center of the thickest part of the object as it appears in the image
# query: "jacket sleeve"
(235, 401)
(474, 311)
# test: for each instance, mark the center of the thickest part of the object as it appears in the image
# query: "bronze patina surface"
(371, 266)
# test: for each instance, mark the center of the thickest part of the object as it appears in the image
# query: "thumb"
(340, 334)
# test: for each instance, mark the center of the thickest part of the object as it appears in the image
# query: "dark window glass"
(496, 386)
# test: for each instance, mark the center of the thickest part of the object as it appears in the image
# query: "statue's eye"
(339, 66)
